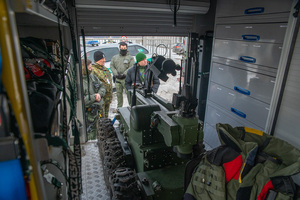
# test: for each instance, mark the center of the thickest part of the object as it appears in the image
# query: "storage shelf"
(32, 13)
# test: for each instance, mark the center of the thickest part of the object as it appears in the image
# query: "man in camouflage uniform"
(119, 65)
(105, 77)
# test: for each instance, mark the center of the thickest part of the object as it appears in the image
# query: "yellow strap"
(240, 177)
(254, 131)
(11, 81)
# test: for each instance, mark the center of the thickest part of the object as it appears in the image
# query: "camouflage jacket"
(105, 77)
(120, 64)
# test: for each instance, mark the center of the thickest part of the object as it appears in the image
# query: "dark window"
(108, 52)
(133, 50)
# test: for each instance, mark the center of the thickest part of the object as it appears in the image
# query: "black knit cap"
(98, 55)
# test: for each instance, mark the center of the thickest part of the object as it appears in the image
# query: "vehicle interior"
(240, 69)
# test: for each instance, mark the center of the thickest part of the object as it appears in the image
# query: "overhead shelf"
(34, 13)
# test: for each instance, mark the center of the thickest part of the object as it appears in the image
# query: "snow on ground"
(166, 89)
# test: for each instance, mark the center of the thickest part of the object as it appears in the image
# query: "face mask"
(123, 52)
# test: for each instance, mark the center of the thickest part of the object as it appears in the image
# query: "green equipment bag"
(250, 164)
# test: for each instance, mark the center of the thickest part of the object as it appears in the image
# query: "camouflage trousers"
(105, 109)
(120, 87)
(91, 125)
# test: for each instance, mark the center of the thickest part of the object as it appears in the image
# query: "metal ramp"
(92, 173)
(93, 183)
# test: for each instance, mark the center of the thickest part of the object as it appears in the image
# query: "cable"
(176, 4)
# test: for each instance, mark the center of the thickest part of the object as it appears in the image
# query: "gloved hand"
(121, 76)
(138, 86)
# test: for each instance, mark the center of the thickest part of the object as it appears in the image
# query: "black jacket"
(129, 80)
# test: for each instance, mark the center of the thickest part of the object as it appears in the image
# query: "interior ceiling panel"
(133, 17)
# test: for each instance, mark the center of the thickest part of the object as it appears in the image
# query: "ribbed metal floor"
(93, 184)
(92, 174)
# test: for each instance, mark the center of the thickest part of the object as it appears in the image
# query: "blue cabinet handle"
(247, 59)
(253, 11)
(241, 90)
(237, 112)
(251, 37)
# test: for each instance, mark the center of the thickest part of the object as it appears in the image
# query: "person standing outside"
(119, 66)
(93, 90)
(143, 74)
(105, 77)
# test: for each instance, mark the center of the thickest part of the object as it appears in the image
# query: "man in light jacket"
(119, 65)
